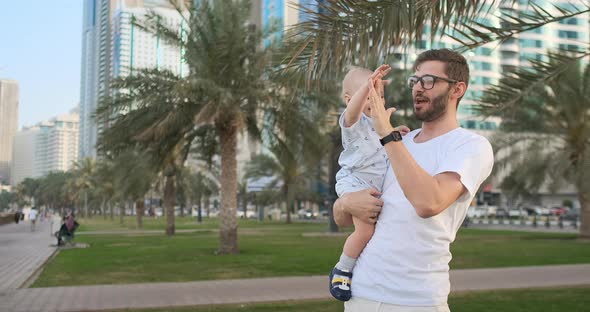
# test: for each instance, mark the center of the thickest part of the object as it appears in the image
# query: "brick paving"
(152, 295)
(23, 252)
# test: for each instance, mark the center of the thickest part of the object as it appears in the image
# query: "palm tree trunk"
(189, 207)
(169, 196)
(102, 208)
(122, 212)
(583, 189)
(584, 215)
(289, 202)
(207, 208)
(228, 234)
(200, 210)
(86, 204)
(139, 211)
(245, 204)
(112, 210)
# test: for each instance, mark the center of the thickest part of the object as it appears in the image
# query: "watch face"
(397, 136)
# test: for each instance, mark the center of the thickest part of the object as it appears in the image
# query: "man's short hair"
(456, 66)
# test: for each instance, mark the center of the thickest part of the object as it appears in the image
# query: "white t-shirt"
(33, 215)
(363, 161)
(407, 260)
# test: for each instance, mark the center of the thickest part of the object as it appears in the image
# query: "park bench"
(66, 237)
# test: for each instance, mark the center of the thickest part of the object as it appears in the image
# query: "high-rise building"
(46, 147)
(278, 14)
(570, 34)
(9, 96)
(113, 47)
(24, 151)
(95, 68)
(134, 48)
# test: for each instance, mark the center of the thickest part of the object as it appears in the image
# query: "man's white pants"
(356, 304)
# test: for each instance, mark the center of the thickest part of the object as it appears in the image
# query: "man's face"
(431, 104)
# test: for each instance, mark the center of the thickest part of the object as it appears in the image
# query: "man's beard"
(438, 106)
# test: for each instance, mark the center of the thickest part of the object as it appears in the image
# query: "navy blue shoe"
(340, 284)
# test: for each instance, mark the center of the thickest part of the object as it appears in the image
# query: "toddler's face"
(357, 81)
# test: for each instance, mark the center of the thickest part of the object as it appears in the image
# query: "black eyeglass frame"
(419, 79)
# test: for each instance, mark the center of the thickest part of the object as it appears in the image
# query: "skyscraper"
(571, 34)
(95, 69)
(9, 96)
(113, 47)
(23, 151)
(46, 147)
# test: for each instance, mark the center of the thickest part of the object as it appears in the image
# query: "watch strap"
(394, 136)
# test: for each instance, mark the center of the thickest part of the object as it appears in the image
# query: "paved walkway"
(109, 297)
(23, 252)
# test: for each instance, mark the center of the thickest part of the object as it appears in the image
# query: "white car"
(249, 214)
(476, 212)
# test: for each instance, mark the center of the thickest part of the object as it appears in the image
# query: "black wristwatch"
(394, 136)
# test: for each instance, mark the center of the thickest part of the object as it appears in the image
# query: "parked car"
(571, 214)
(537, 211)
(476, 212)
(516, 213)
(558, 211)
(502, 213)
(306, 214)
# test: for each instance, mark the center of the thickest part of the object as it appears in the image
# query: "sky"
(40, 47)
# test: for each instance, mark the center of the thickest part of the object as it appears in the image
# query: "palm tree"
(28, 190)
(51, 190)
(105, 186)
(295, 138)
(133, 176)
(546, 133)
(85, 171)
(198, 186)
(224, 88)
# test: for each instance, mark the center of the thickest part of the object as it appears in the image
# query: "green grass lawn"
(525, 300)
(98, 223)
(275, 249)
(181, 223)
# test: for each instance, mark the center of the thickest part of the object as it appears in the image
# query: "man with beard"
(434, 174)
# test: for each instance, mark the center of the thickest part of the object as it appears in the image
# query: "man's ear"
(460, 89)
(346, 98)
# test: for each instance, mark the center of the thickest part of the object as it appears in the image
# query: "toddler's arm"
(355, 105)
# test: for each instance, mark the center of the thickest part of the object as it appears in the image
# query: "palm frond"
(346, 32)
(514, 87)
(475, 33)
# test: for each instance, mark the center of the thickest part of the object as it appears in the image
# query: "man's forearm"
(341, 217)
(422, 190)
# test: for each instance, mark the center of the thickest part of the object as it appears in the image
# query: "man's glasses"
(427, 81)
